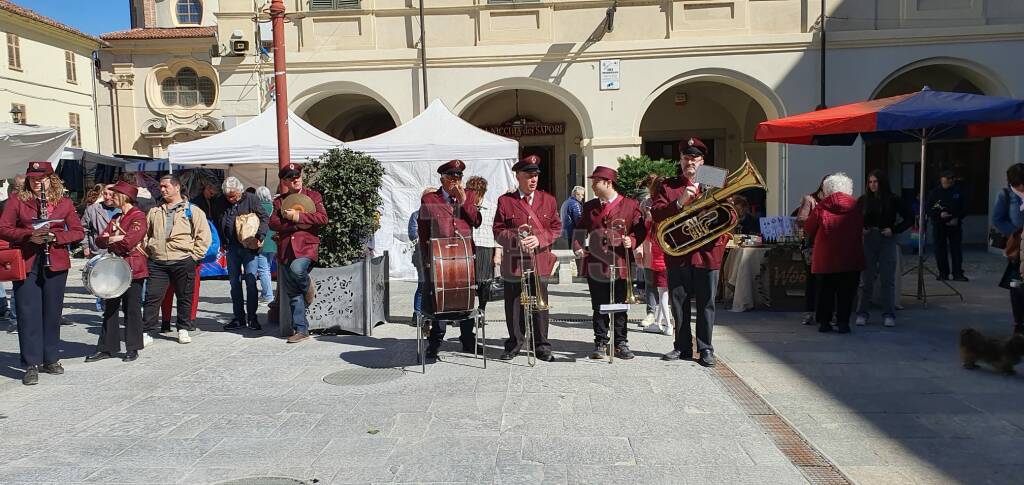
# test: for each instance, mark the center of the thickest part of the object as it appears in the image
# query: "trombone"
(617, 228)
(530, 297)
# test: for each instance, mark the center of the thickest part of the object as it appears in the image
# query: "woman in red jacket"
(123, 237)
(44, 249)
(836, 225)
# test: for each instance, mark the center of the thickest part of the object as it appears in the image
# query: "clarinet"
(43, 215)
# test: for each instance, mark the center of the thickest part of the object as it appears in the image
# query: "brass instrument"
(709, 216)
(619, 226)
(530, 297)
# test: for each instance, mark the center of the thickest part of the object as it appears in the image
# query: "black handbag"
(497, 289)
(997, 239)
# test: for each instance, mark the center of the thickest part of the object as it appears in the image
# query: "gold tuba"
(707, 217)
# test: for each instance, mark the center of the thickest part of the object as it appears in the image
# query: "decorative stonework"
(160, 72)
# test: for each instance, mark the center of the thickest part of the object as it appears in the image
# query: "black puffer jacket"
(248, 204)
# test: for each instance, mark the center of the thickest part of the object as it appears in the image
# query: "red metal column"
(280, 83)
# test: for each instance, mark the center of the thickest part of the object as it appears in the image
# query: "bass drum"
(107, 276)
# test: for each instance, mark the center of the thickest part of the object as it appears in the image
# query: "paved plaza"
(881, 405)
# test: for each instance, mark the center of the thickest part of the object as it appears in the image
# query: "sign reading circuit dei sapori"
(519, 127)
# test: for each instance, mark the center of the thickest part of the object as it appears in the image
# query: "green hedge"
(633, 170)
(350, 184)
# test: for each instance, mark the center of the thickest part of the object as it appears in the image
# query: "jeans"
(650, 291)
(183, 275)
(242, 269)
(294, 277)
(880, 259)
(263, 273)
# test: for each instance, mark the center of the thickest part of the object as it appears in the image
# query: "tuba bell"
(709, 216)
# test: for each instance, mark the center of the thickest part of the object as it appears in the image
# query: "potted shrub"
(351, 287)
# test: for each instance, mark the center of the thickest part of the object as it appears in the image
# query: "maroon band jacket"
(133, 226)
(16, 228)
(511, 213)
(663, 206)
(301, 239)
(603, 245)
(439, 219)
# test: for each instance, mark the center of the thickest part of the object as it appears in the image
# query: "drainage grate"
(363, 376)
(811, 463)
(267, 481)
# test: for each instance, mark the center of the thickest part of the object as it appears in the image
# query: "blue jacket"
(1006, 214)
(570, 213)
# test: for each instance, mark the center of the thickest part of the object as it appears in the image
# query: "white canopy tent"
(411, 154)
(249, 150)
(20, 144)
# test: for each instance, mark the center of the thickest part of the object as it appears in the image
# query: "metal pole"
(423, 57)
(822, 105)
(921, 295)
(277, 11)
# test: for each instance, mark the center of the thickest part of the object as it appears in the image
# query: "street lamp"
(17, 115)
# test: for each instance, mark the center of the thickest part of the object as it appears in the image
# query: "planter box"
(352, 298)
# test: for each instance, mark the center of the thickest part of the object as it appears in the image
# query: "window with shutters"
(334, 5)
(13, 52)
(75, 124)
(19, 115)
(69, 67)
(190, 12)
(187, 89)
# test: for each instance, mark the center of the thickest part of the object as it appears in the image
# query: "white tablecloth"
(742, 273)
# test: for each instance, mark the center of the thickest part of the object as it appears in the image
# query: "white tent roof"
(411, 154)
(20, 144)
(254, 142)
(437, 135)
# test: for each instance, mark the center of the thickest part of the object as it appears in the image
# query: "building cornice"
(57, 34)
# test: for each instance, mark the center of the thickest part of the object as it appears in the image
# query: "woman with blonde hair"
(44, 250)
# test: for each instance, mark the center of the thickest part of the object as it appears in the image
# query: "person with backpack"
(177, 239)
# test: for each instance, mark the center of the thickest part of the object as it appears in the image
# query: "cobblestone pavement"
(887, 406)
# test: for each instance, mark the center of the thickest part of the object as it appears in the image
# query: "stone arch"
(980, 75)
(306, 99)
(530, 84)
(346, 110)
(742, 103)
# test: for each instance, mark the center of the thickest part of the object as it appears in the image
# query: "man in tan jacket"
(176, 241)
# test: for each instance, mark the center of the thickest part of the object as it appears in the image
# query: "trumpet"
(530, 297)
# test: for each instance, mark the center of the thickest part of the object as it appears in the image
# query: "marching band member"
(446, 212)
(606, 247)
(40, 296)
(123, 236)
(298, 245)
(538, 210)
(693, 275)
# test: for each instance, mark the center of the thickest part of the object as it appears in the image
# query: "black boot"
(130, 355)
(31, 376)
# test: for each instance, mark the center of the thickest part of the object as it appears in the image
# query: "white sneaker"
(668, 330)
(861, 320)
(146, 340)
(649, 319)
(654, 328)
(889, 321)
(183, 337)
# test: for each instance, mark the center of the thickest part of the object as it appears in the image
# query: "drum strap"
(139, 247)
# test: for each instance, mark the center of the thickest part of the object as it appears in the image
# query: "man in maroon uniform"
(298, 245)
(538, 210)
(693, 275)
(447, 212)
(607, 247)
